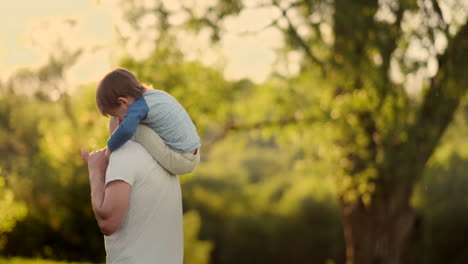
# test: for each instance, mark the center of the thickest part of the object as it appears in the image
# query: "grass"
(35, 261)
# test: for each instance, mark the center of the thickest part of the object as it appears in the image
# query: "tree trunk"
(379, 233)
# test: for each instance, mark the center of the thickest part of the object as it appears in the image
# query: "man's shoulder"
(129, 146)
(129, 151)
(133, 156)
(133, 153)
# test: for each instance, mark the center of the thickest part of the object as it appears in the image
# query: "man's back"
(152, 230)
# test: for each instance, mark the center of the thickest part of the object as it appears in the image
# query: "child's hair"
(117, 83)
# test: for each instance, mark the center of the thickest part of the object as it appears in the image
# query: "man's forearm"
(110, 202)
(97, 193)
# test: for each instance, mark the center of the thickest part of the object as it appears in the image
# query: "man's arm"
(110, 202)
(135, 114)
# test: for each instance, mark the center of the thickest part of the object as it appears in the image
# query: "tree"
(363, 55)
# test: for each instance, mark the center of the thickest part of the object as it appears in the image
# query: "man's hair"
(117, 83)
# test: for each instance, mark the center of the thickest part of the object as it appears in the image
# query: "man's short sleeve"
(121, 165)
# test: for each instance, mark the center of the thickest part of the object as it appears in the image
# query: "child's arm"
(125, 131)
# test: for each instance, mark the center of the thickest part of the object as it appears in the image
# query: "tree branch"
(273, 23)
(302, 43)
(388, 42)
(441, 99)
(444, 25)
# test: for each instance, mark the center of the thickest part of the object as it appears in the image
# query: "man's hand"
(84, 155)
(97, 161)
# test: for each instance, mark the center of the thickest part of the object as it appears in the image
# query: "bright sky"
(31, 30)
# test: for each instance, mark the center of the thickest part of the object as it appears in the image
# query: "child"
(120, 94)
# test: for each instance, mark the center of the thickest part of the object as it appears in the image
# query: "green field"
(35, 261)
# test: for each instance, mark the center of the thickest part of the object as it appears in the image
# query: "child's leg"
(174, 162)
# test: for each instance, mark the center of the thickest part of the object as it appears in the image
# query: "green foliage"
(257, 207)
(53, 181)
(12, 211)
(444, 208)
(195, 251)
(442, 201)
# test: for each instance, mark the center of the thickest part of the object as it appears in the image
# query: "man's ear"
(122, 100)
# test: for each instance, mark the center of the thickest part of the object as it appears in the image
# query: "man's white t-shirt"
(152, 231)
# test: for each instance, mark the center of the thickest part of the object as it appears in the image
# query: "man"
(137, 204)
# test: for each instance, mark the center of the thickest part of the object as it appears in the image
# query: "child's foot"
(84, 155)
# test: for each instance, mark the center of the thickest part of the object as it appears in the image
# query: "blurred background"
(333, 131)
